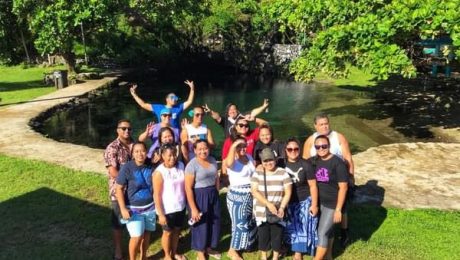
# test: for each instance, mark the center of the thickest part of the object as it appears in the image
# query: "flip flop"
(214, 254)
(180, 257)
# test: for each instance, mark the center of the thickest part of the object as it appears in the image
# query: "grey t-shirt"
(204, 177)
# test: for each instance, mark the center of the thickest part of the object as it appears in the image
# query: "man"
(338, 146)
(193, 132)
(171, 103)
(116, 154)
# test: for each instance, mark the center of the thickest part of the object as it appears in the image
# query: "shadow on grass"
(365, 215)
(45, 224)
(414, 104)
(24, 85)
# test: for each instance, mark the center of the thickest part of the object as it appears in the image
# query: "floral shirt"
(116, 154)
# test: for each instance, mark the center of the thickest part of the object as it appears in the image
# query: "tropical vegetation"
(379, 36)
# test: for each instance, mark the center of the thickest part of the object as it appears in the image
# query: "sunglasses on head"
(124, 128)
(323, 146)
(295, 149)
(241, 146)
(243, 125)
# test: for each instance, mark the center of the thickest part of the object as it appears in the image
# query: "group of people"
(277, 192)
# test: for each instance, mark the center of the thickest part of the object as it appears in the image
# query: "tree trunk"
(69, 58)
(24, 45)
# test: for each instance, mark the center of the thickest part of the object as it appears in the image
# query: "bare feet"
(234, 255)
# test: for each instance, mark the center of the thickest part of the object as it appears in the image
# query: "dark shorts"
(115, 216)
(174, 220)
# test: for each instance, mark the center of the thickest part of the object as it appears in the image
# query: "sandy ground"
(406, 175)
(19, 139)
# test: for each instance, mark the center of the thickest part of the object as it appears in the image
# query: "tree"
(56, 24)
(379, 36)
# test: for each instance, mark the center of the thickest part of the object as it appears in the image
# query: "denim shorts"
(138, 223)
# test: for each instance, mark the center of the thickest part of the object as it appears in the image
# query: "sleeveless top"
(240, 174)
(193, 134)
(335, 148)
(173, 196)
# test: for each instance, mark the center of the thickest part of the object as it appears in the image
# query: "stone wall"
(284, 53)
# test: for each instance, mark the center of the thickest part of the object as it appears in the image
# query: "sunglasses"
(198, 114)
(295, 149)
(243, 125)
(241, 146)
(323, 146)
(166, 115)
(123, 128)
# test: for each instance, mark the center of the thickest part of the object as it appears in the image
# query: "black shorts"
(115, 216)
(174, 220)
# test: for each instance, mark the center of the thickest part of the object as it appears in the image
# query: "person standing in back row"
(171, 103)
(338, 146)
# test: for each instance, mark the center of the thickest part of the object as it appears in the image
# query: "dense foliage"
(379, 36)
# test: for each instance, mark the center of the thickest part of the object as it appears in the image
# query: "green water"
(292, 107)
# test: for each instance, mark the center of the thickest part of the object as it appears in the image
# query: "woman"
(271, 189)
(302, 212)
(332, 180)
(241, 128)
(232, 113)
(266, 140)
(152, 131)
(168, 182)
(137, 207)
(202, 190)
(166, 135)
(240, 167)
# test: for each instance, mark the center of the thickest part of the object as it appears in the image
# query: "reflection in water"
(292, 107)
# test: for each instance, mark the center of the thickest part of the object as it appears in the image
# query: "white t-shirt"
(240, 174)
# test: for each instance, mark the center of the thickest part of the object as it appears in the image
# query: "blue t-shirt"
(138, 183)
(176, 112)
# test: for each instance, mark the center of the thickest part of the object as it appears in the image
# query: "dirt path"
(407, 175)
(19, 139)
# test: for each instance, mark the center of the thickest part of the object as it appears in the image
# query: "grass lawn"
(51, 212)
(18, 84)
(356, 78)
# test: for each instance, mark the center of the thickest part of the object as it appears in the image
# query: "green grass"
(51, 212)
(18, 84)
(356, 78)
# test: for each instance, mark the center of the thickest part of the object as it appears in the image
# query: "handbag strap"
(265, 185)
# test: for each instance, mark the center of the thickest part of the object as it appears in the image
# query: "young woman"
(232, 113)
(165, 136)
(332, 180)
(202, 190)
(302, 220)
(267, 140)
(240, 167)
(152, 131)
(241, 128)
(137, 207)
(168, 182)
(271, 189)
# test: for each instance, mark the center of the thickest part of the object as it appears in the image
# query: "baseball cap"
(267, 154)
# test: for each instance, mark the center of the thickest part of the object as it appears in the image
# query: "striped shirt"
(276, 183)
